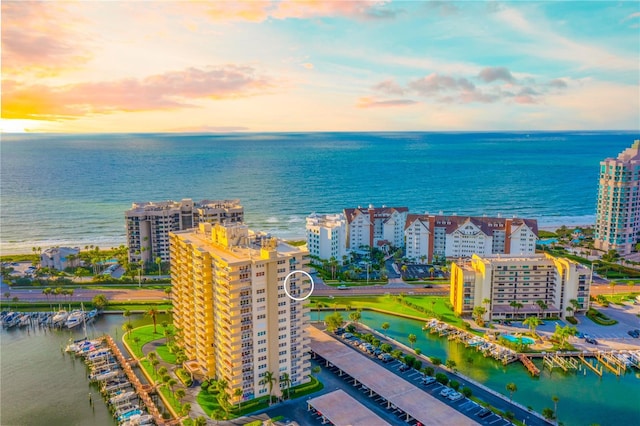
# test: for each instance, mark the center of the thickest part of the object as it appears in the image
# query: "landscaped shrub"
(455, 385)
(184, 377)
(572, 320)
(466, 391)
(436, 361)
(442, 378)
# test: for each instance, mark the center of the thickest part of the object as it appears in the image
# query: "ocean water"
(58, 189)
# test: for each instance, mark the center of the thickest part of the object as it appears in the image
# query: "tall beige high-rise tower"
(236, 320)
(618, 208)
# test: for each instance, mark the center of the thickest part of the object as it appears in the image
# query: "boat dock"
(142, 390)
(529, 365)
(488, 349)
(616, 361)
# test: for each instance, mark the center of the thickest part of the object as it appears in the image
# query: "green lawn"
(621, 297)
(146, 335)
(389, 304)
(209, 402)
(355, 283)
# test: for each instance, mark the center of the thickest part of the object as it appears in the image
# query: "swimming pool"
(514, 339)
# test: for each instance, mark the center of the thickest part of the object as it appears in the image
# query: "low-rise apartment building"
(427, 236)
(520, 286)
(229, 298)
(373, 225)
(148, 224)
(60, 258)
(327, 236)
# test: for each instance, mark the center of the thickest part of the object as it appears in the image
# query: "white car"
(446, 391)
(454, 396)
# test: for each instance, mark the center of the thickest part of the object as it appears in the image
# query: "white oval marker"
(287, 291)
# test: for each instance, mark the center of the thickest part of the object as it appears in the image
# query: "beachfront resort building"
(374, 226)
(60, 258)
(618, 207)
(428, 236)
(229, 300)
(148, 224)
(520, 286)
(327, 236)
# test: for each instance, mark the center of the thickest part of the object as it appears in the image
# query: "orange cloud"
(170, 90)
(367, 102)
(35, 40)
(258, 11)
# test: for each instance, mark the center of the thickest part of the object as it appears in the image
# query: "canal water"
(42, 385)
(39, 385)
(584, 397)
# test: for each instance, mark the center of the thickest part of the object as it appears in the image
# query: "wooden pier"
(595, 368)
(141, 390)
(529, 365)
(611, 363)
(565, 363)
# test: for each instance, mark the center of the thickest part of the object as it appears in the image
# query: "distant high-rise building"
(375, 225)
(618, 208)
(148, 224)
(327, 236)
(455, 236)
(230, 301)
(520, 286)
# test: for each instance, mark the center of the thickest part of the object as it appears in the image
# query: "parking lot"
(460, 403)
(418, 271)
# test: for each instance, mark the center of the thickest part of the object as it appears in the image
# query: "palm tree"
(478, 313)
(159, 263)
(555, 400)
(612, 286)
(179, 394)
(153, 312)
(171, 383)
(355, 316)
(127, 327)
(412, 339)
(162, 371)
(404, 269)
(286, 381)
(532, 322)
(385, 326)
(431, 271)
(238, 394)
(316, 370)
(542, 305)
(570, 310)
(516, 307)
(186, 407)
(136, 340)
(167, 291)
(154, 363)
(127, 314)
(268, 379)
(512, 388)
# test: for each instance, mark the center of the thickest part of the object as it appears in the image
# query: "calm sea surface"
(74, 189)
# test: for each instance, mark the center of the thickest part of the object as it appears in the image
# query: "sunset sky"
(319, 66)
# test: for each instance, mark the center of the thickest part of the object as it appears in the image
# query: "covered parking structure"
(340, 408)
(413, 402)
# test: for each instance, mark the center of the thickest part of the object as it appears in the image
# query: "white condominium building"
(327, 236)
(520, 286)
(148, 224)
(618, 208)
(60, 258)
(374, 225)
(229, 298)
(454, 236)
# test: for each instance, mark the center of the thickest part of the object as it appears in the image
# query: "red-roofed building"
(367, 226)
(455, 236)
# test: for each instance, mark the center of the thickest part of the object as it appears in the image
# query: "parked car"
(377, 352)
(446, 391)
(347, 336)
(591, 340)
(455, 396)
(339, 331)
(404, 367)
(428, 380)
(342, 287)
(385, 357)
(483, 413)
(427, 286)
(634, 333)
